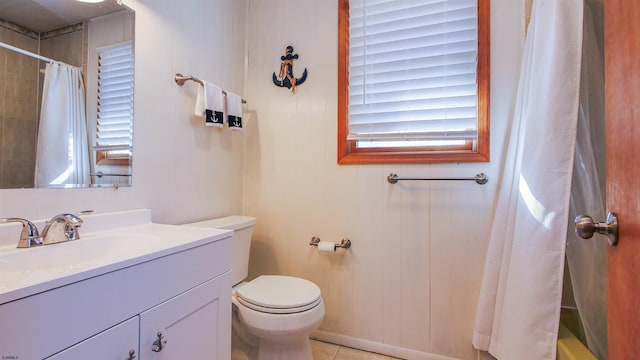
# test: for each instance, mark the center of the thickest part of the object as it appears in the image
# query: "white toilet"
(281, 311)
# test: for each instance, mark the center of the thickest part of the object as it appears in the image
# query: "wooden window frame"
(104, 157)
(349, 153)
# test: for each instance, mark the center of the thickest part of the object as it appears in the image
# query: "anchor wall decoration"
(286, 77)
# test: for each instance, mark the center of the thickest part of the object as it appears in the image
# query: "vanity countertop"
(108, 242)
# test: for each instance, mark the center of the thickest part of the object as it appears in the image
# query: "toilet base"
(244, 346)
(299, 350)
(280, 336)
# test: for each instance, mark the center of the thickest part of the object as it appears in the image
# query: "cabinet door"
(115, 343)
(194, 325)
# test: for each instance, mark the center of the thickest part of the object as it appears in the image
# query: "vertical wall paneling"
(411, 279)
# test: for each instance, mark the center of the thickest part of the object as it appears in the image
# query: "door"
(192, 325)
(622, 89)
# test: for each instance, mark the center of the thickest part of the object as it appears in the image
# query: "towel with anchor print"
(210, 104)
(234, 111)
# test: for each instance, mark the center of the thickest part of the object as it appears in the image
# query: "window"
(114, 118)
(413, 81)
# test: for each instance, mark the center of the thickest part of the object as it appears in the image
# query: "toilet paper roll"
(326, 246)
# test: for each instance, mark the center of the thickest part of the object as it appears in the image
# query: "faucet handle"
(73, 223)
(29, 236)
(72, 219)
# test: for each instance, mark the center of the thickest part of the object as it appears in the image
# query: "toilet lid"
(279, 294)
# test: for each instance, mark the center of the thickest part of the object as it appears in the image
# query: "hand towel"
(210, 104)
(234, 111)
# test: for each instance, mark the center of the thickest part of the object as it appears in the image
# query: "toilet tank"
(242, 227)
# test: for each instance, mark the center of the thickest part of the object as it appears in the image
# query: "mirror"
(78, 34)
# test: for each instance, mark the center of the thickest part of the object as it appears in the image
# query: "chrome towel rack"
(181, 79)
(101, 174)
(480, 178)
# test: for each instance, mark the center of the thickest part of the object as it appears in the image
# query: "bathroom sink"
(24, 272)
(74, 254)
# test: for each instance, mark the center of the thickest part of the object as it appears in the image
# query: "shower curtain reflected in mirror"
(587, 259)
(62, 155)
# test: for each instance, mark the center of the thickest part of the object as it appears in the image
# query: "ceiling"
(45, 15)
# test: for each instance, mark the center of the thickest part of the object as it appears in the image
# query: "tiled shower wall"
(20, 89)
(18, 110)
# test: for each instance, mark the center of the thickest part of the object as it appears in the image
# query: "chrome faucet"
(29, 236)
(62, 227)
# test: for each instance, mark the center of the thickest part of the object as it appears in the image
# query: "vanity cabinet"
(185, 296)
(190, 326)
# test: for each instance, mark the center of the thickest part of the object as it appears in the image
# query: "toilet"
(280, 311)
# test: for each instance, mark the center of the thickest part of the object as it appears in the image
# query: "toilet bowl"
(279, 311)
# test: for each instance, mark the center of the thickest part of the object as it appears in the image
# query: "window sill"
(411, 157)
(104, 158)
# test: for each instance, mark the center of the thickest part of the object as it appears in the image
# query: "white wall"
(181, 170)
(412, 276)
(411, 280)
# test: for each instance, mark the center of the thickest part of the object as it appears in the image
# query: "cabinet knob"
(160, 343)
(132, 354)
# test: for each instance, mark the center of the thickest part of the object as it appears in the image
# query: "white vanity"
(127, 289)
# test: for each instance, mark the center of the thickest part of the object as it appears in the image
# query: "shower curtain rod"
(25, 52)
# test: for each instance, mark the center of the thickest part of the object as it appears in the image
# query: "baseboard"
(375, 347)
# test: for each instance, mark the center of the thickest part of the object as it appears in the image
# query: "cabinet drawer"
(111, 344)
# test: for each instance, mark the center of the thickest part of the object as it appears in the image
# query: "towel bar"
(181, 79)
(101, 174)
(480, 178)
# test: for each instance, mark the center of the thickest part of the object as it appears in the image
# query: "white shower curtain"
(587, 259)
(62, 156)
(519, 305)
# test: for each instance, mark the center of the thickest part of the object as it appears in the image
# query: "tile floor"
(326, 351)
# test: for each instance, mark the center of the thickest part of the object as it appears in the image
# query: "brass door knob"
(586, 227)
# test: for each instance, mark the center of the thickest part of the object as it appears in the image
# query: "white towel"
(210, 104)
(234, 111)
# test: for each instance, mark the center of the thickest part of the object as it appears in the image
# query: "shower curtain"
(587, 259)
(519, 306)
(62, 154)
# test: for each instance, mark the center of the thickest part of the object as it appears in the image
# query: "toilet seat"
(271, 310)
(276, 294)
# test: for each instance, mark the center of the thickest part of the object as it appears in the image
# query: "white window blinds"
(412, 70)
(114, 129)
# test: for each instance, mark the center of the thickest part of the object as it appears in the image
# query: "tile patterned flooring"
(326, 351)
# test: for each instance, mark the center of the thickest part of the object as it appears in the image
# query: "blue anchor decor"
(286, 77)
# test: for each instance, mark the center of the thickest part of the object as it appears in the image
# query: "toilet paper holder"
(345, 243)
